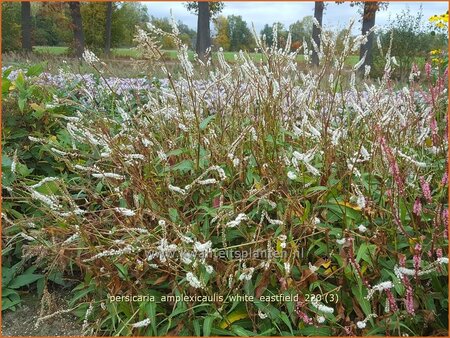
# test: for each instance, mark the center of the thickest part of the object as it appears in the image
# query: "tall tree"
(282, 34)
(302, 29)
(368, 21)
(241, 37)
(77, 27)
(318, 15)
(203, 30)
(215, 7)
(205, 11)
(222, 38)
(10, 26)
(125, 17)
(26, 26)
(52, 24)
(109, 11)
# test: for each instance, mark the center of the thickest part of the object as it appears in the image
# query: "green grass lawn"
(51, 50)
(171, 54)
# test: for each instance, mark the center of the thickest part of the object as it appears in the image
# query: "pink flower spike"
(417, 208)
(392, 304)
(303, 316)
(444, 180)
(425, 189)
(416, 260)
(444, 217)
(428, 69)
(409, 299)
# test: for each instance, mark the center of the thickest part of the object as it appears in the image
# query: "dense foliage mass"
(411, 41)
(52, 24)
(317, 194)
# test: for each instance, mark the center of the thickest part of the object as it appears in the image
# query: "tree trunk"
(26, 26)
(109, 10)
(203, 30)
(318, 15)
(77, 27)
(370, 9)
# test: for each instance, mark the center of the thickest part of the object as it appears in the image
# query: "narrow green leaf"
(206, 121)
(286, 320)
(207, 325)
(23, 280)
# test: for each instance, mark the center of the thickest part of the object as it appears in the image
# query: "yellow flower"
(436, 51)
(440, 21)
(433, 18)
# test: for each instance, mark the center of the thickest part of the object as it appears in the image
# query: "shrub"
(411, 43)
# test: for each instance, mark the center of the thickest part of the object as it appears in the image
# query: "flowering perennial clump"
(257, 178)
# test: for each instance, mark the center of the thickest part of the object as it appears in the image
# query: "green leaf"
(221, 332)
(6, 73)
(5, 86)
(286, 320)
(206, 121)
(81, 293)
(35, 70)
(20, 81)
(207, 325)
(342, 210)
(185, 165)
(175, 152)
(173, 214)
(196, 325)
(123, 271)
(7, 292)
(8, 304)
(363, 302)
(23, 170)
(315, 331)
(23, 280)
(6, 161)
(150, 308)
(317, 188)
(365, 251)
(240, 331)
(40, 284)
(56, 277)
(21, 103)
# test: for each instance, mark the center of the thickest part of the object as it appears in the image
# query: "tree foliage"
(186, 35)
(52, 24)
(301, 29)
(222, 38)
(282, 33)
(11, 39)
(240, 35)
(411, 42)
(215, 7)
(126, 17)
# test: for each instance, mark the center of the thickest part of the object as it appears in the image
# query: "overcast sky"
(263, 12)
